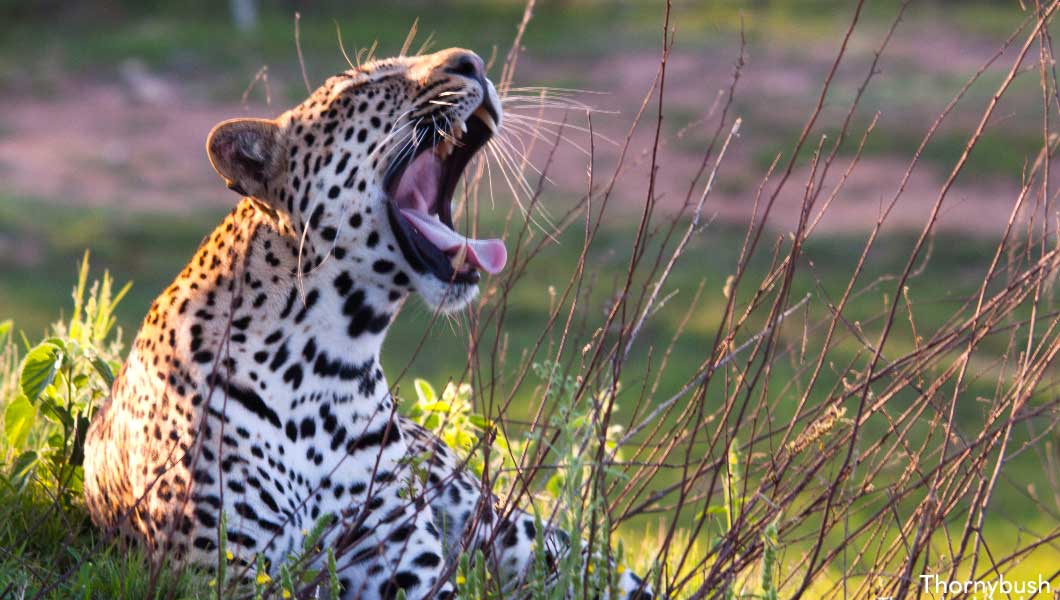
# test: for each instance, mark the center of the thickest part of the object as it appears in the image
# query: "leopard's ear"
(247, 153)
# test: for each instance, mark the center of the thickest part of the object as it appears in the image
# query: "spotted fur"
(254, 387)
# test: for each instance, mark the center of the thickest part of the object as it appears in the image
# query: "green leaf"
(18, 420)
(333, 577)
(104, 370)
(23, 466)
(55, 413)
(81, 380)
(432, 422)
(555, 484)
(5, 328)
(501, 441)
(438, 407)
(56, 441)
(39, 368)
(56, 341)
(424, 391)
(480, 421)
(713, 511)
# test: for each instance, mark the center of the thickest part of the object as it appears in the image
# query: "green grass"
(41, 545)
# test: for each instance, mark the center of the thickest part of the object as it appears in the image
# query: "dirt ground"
(136, 141)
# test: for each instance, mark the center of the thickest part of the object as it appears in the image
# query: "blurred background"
(105, 106)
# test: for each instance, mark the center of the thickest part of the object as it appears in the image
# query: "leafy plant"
(479, 442)
(474, 437)
(49, 391)
(61, 381)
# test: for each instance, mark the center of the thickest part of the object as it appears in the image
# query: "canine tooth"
(444, 148)
(486, 117)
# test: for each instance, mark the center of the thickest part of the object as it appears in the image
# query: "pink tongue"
(489, 255)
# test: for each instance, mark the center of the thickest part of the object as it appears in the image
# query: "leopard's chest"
(276, 483)
(239, 436)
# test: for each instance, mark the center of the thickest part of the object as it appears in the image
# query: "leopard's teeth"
(460, 130)
(444, 148)
(486, 118)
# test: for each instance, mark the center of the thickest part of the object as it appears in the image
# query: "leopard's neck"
(242, 319)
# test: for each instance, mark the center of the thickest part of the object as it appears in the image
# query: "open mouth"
(420, 204)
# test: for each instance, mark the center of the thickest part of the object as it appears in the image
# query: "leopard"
(252, 398)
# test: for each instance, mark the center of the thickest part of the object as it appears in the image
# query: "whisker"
(564, 125)
(504, 167)
(506, 141)
(402, 146)
(544, 97)
(426, 44)
(519, 175)
(556, 90)
(435, 131)
(537, 100)
(534, 131)
(411, 36)
(514, 171)
(450, 322)
(489, 181)
(407, 150)
(301, 245)
(338, 33)
(514, 108)
(534, 128)
(367, 53)
(446, 130)
(382, 144)
(500, 167)
(517, 105)
(518, 146)
(523, 154)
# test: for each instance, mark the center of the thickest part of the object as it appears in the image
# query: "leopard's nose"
(464, 63)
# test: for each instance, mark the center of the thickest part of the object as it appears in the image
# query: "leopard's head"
(365, 170)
